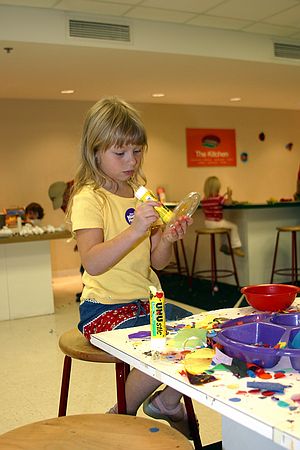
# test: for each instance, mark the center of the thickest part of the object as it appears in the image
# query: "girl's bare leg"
(139, 386)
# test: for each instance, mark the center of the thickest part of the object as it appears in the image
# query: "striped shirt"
(213, 207)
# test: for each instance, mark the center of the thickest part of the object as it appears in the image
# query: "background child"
(119, 240)
(33, 213)
(212, 205)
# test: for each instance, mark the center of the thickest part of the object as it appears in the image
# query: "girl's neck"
(123, 189)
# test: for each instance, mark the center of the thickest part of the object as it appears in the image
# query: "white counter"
(257, 227)
(26, 275)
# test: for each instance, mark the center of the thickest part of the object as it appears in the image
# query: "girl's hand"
(229, 192)
(144, 216)
(177, 230)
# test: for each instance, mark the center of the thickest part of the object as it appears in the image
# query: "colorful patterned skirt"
(96, 317)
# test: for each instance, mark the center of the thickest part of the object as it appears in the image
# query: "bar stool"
(214, 272)
(75, 346)
(292, 271)
(178, 266)
(95, 432)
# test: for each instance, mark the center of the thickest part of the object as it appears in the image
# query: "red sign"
(210, 147)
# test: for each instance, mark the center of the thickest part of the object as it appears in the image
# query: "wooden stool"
(176, 266)
(214, 272)
(292, 271)
(95, 432)
(75, 346)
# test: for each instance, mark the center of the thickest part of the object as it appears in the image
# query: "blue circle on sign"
(129, 215)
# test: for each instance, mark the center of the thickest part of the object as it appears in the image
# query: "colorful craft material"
(264, 385)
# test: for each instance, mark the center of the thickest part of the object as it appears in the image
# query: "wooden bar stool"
(292, 271)
(75, 346)
(214, 273)
(95, 432)
(178, 266)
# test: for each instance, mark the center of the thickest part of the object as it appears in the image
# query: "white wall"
(40, 144)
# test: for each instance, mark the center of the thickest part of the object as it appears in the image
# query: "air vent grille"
(98, 30)
(287, 50)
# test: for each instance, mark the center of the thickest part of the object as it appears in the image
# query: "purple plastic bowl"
(246, 342)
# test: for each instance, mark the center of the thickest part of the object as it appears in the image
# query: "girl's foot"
(176, 417)
(113, 410)
(239, 251)
(225, 249)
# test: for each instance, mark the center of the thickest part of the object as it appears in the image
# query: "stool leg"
(294, 258)
(176, 254)
(184, 257)
(64, 390)
(214, 277)
(274, 257)
(193, 424)
(122, 371)
(233, 261)
(194, 260)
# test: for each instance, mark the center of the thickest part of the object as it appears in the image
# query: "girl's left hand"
(177, 230)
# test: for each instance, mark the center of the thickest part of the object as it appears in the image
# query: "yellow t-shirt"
(131, 277)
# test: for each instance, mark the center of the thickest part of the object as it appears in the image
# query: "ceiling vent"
(287, 50)
(98, 30)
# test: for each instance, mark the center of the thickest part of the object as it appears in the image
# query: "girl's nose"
(132, 159)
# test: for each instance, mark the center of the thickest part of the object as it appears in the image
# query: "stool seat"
(95, 432)
(296, 228)
(205, 230)
(75, 345)
(213, 273)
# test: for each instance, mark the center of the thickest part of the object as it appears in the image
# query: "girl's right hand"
(144, 216)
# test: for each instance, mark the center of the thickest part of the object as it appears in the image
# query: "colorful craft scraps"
(197, 362)
(187, 339)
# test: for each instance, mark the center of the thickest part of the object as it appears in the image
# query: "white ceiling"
(40, 70)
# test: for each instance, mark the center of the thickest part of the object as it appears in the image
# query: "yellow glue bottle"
(157, 319)
(144, 195)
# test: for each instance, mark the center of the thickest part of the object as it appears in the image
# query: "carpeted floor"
(176, 287)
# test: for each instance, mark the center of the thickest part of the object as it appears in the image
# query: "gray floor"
(31, 368)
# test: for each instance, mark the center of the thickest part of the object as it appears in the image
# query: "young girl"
(212, 205)
(119, 241)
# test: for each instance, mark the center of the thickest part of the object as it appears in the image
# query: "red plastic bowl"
(270, 297)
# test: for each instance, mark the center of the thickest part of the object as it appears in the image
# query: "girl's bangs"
(133, 135)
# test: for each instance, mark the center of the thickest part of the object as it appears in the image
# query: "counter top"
(262, 205)
(241, 205)
(65, 234)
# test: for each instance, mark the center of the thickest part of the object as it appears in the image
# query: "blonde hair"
(212, 187)
(111, 122)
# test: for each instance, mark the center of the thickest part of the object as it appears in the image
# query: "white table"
(26, 275)
(249, 423)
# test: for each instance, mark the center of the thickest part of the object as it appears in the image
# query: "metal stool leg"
(122, 371)
(233, 261)
(185, 258)
(275, 257)
(65, 383)
(176, 254)
(214, 276)
(194, 260)
(193, 423)
(294, 258)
